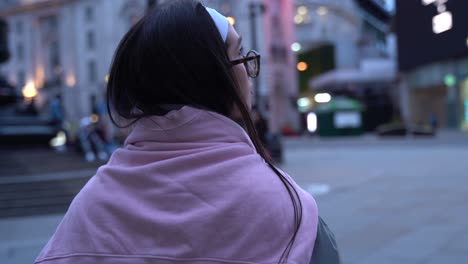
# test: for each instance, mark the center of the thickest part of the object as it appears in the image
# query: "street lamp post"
(254, 7)
(273, 143)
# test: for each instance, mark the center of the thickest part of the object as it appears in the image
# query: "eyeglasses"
(251, 62)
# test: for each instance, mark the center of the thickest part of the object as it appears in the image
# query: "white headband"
(221, 22)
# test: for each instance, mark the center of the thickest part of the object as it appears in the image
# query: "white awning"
(369, 72)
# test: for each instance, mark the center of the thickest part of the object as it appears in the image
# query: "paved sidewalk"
(392, 201)
(37, 180)
(23, 238)
(402, 203)
(443, 138)
(24, 161)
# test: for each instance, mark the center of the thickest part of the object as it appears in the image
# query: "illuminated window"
(298, 19)
(302, 10)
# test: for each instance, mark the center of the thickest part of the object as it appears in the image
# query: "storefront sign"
(430, 31)
(443, 21)
(347, 120)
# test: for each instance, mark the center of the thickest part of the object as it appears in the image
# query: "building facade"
(343, 50)
(65, 47)
(267, 26)
(328, 23)
(433, 62)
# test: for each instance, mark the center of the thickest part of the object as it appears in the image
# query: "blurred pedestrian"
(261, 125)
(189, 185)
(57, 117)
(434, 122)
(104, 126)
(90, 140)
(56, 110)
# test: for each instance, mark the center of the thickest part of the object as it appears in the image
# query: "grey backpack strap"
(325, 248)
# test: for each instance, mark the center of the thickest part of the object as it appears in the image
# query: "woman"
(189, 185)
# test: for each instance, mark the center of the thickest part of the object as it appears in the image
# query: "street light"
(298, 19)
(302, 66)
(312, 123)
(302, 10)
(29, 90)
(322, 98)
(296, 47)
(231, 20)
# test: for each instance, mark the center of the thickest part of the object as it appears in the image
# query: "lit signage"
(443, 21)
(428, 2)
(430, 31)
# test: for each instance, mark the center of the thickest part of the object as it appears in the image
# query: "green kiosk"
(339, 117)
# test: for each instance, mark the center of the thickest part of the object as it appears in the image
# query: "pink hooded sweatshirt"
(187, 187)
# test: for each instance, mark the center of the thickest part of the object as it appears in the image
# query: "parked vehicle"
(400, 129)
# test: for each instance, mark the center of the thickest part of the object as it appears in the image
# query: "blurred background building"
(345, 48)
(312, 51)
(65, 47)
(433, 61)
(267, 26)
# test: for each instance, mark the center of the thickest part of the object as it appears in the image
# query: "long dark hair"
(175, 55)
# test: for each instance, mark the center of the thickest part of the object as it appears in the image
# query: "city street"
(392, 201)
(352, 72)
(37, 180)
(387, 200)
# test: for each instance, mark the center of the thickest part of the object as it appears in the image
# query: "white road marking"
(318, 189)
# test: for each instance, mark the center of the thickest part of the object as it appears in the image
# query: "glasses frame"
(245, 59)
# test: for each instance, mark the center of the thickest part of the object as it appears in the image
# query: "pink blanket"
(185, 188)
